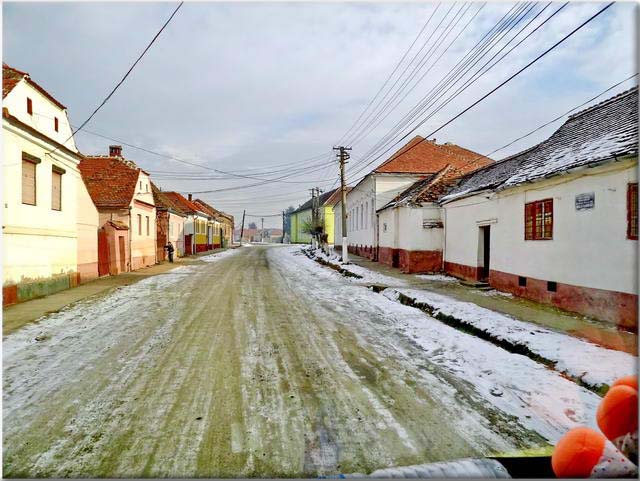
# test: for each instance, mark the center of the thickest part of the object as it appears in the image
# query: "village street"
(260, 362)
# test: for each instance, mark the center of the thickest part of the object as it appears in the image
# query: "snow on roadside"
(367, 275)
(219, 255)
(436, 277)
(541, 399)
(578, 358)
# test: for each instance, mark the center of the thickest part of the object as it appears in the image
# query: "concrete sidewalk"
(17, 315)
(601, 333)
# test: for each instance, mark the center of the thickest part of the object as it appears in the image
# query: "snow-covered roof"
(601, 132)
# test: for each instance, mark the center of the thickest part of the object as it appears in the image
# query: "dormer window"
(55, 123)
(29, 106)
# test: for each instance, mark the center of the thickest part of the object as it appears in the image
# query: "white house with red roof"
(122, 193)
(557, 223)
(416, 160)
(49, 222)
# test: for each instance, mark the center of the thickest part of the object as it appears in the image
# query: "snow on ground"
(33, 366)
(541, 399)
(436, 277)
(594, 364)
(219, 255)
(367, 275)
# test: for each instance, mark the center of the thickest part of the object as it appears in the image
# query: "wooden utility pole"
(282, 238)
(262, 230)
(242, 228)
(343, 156)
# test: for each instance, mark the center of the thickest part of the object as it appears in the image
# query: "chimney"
(190, 197)
(115, 151)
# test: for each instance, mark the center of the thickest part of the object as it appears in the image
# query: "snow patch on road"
(219, 255)
(436, 277)
(581, 359)
(541, 399)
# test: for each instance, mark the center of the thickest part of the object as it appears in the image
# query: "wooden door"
(122, 253)
(103, 253)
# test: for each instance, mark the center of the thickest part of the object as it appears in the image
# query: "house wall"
(299, 219)
(363, 201)
(589, 257)
(40, 245)
(118, 259)
(406, 243)
(87, 224)
(328, 223)
(176, 233)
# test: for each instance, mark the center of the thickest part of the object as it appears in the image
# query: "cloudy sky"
(264, 90)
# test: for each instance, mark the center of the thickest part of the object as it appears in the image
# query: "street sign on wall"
(585, 201)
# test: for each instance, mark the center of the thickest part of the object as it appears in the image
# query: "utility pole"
(282, 238)
(343, 156)
(242, 228)
(262, 230)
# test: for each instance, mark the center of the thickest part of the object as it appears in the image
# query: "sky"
(265, 90)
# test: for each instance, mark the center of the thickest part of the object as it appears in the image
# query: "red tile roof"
(425, 156)
(182, 202)
(10, 78)
(336, 196)
(163, 201)
(111, 181)
(206, 208)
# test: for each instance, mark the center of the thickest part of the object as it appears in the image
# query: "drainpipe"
(155, 234)
(130, 236)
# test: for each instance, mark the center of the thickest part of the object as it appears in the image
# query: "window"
(522, 281)
(538, 220)
(632, 211)
(55, 123)
(147, 225)
(29, 106)
(56, 188)
(29, 163)
(139, 224)
(552, 286)
(146, 187)
(140, 186)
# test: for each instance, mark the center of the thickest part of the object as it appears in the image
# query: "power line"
(535, 60)
(126, 74)
(390, 75)
(473, 56)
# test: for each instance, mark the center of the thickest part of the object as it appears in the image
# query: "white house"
(49, 222)
(557, 223)
(411, 233)
(415, 161)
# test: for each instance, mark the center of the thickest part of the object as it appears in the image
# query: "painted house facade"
(170, 219)
(122, 193)
(557, 223)
(415, 161)
(301, 217)
(49, 222)
(195, 223)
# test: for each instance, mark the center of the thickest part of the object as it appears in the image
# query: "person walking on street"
(170, 249)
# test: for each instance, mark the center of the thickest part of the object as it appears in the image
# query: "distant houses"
(69, 218)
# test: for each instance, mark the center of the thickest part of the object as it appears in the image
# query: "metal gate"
(103, 253)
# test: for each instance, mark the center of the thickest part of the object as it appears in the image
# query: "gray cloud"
(245, 85)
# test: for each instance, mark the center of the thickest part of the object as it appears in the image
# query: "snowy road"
(260, 362)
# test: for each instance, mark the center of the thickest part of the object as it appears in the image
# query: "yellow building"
(50, 225)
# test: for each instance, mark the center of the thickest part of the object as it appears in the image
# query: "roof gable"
(12, 76)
